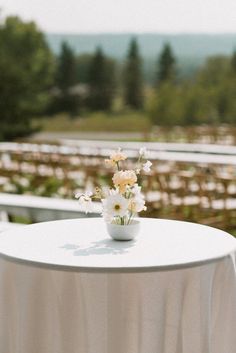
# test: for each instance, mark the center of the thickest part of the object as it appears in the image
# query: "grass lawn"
(233, 232)
(99, 121)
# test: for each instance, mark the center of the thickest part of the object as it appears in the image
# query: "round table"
(66, 287)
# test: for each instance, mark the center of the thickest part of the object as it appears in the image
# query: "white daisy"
(107, 217)
(115, 205)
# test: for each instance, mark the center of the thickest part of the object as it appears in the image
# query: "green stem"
(130, 216)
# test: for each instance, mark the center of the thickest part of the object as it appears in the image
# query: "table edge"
(141, 269)
(136, 269)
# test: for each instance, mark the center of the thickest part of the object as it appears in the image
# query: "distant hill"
(198, 45)
(190, 49)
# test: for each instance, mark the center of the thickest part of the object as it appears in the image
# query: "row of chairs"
(223, 134)
(205, 193)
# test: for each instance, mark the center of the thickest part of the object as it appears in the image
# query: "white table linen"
(65, 287)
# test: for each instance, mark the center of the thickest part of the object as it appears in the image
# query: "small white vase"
(123, 232)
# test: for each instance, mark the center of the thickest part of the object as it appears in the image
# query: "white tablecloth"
(65, 287)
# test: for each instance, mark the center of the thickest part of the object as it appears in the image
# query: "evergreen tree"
(233, 61)
(101, 80)
(166, 65)
(83, 63)
(66, 78)
(26, 75)
(66, 72)
(133, 81)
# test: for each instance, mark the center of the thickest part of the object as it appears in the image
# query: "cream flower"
(115, 205)
(85, 201)
(137, 204)
(125, 178)
(146, 166)
(118, 156)
(109, 162)
(136, 190)
(115, 158)
(143, 152)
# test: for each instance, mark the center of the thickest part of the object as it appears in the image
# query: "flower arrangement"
(124, 200)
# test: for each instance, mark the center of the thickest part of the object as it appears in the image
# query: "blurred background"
(79, 79)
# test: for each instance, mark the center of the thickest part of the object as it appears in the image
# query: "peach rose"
(122, 179)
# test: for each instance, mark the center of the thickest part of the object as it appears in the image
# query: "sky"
(98, 16)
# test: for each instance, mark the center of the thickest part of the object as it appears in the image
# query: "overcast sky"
(86, 16)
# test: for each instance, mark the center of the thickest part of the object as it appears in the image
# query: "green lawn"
(99, 121)
(233, 232)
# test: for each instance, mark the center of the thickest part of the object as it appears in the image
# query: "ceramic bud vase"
(123, 232)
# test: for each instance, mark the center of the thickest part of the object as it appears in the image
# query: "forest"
(36, 83)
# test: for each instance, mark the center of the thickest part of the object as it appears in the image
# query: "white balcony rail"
(40, 209)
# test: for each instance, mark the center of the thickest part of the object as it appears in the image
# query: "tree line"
(35, 82)
(103, 78)
(92, 81)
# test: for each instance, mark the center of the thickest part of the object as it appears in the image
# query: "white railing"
(40, 209)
